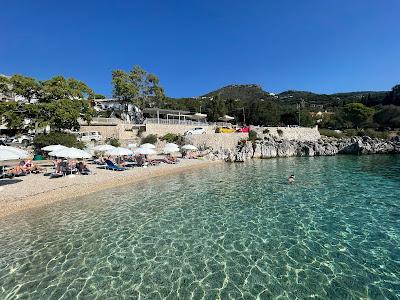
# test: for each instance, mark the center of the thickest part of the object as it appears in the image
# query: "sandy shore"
(36, 190)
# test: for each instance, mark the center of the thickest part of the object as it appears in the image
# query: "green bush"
(330, 133)
(266, 131)
(151, 138)
(113, 142)
(350, 132)
(141, 130)
(252, 135)
(55, 138)
(367, 132)
(172, 138)
(280, 132)
(373, 133)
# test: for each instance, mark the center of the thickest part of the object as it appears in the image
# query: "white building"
(125, 110)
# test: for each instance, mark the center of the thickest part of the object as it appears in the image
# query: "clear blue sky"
(197, 46)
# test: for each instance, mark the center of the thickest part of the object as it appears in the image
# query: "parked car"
(224, 129)
(196, 130)
(244, 129)
(24, 140)
(89, 136)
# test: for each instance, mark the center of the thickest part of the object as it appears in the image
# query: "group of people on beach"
(69, 166)
(25, 167)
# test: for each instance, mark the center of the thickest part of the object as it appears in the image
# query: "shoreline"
(67, 187)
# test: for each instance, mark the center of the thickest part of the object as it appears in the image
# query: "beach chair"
(112, 166)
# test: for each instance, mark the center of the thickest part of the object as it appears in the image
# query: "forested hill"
(244, 92)
(253, 92)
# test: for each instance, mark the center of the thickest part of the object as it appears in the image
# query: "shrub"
(141, 130)
(252, 135)
(373, 133)
(266, 131)
(172, 138)
(151, 138)
(113, 142)
(55, 138)
(280, 132)
(350, 132)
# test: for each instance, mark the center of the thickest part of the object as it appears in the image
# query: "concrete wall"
(163, 129)
(216, 140)
(120, 131)
(292, 133)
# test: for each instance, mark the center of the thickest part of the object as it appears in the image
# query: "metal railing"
(105, 121)
(184, 122)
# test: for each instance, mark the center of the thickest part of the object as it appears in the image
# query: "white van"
(89, 136)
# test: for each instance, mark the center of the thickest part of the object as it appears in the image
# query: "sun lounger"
(112, 166)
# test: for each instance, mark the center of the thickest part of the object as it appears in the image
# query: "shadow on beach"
(9, 181)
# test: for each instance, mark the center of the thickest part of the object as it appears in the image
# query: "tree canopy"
(54, 89)
(358, 114)
(138, 86)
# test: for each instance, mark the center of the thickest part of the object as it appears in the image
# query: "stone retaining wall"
(292, 133)
(120, 131)
(163, 129)
(216, 140)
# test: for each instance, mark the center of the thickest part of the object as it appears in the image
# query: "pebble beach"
(35, 190)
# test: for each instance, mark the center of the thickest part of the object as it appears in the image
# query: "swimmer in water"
(291, 178)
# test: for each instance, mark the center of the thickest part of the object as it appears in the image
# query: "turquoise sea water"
(230, 231)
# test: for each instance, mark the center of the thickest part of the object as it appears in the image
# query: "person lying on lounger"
(82, 168)
(18, 170)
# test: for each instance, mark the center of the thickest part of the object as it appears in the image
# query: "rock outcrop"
(271, 147)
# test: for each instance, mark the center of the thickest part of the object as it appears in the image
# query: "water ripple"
(234, 231)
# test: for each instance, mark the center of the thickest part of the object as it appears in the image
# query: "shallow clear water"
(228, 231)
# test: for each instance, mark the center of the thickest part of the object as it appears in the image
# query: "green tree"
(5, 85)
(138, 86)
(55, 138)
(358, 114)
(306, 120)
(65, 113)
(216, 108)
(13, 114)
(24, 86)
(393, 97)
(289, 118)
(58, 88)
(388, 116)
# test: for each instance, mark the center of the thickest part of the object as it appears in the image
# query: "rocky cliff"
(270, 147)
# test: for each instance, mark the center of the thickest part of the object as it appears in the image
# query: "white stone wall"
(292, 133)
(120, 131)
(216, 141)
(162, 129)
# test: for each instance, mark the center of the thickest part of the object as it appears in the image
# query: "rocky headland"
(269, 147)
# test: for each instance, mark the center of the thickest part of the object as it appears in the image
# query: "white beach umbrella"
(171, 145)
(169, 150)
(20, 152)
(53, 148)
(189, 147)
(145, 151)
(71, 153)
(8, 155)
(103, 147)
(148, 145)
(226, 118)
(198, 116)
(119, 151)
(132, 145)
